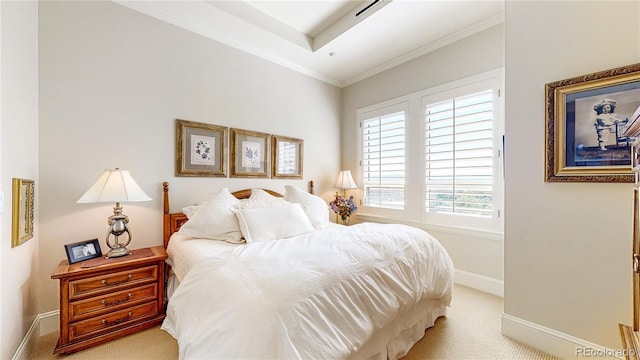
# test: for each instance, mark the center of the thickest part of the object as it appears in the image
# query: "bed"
(285, 283)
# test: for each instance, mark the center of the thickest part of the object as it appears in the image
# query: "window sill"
(457, 230)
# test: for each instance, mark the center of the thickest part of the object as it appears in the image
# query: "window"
(459, 155)
(434, 156)
(383, 158)
(462, 175)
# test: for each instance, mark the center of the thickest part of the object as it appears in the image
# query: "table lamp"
(345, 181)
(115, 186)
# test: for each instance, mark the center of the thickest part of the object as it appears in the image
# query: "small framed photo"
(250, 153)
(287, 155)
(83, 250)
(590, 122)
(22, 210)
(200, 149)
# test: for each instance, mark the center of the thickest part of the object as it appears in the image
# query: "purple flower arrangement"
(343, 206)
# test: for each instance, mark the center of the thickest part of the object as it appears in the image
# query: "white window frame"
(449, 91)
(378, 111)
(415, 172)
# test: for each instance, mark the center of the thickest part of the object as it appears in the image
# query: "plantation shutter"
(383, 160)
(459, 161)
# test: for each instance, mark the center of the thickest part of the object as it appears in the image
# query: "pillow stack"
(262, 217)
(317, 210)
(214, 219)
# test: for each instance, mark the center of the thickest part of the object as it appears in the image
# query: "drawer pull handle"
(117, 321)
(116, 302)
(106, 283)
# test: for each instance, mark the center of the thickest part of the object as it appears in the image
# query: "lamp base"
(117, 252)
(117, 227)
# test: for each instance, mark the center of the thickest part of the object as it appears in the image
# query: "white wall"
(19, 159)
(567, 245)
(477, 255)
(112, 83)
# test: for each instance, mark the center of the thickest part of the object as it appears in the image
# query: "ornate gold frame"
(185, 131)
(22, 211)
(263, 141)
(556, 167)
(275, 159)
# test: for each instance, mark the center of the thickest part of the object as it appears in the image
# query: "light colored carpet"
(471, 331)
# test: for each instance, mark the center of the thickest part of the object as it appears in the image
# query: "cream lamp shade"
(115, 186)
(345, 180)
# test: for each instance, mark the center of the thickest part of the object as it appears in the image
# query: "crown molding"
(430, 47)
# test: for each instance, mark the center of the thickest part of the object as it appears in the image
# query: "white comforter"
(316, 296)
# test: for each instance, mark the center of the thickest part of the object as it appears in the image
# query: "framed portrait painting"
(22, 212)
(587, 126)
(250, 153)
(287, 155)
(200, 149)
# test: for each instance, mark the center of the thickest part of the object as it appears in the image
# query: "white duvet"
(321, 295)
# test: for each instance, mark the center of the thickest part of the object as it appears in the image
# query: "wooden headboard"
(173, 221)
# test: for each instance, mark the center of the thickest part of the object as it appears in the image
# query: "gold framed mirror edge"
(22, 204)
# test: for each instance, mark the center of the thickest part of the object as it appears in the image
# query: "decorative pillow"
(316, 208)
(279, 222)
(215, 220)
(260, 199)
(190, 210)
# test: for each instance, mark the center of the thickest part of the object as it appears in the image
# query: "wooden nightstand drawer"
(111, 282)
(106, 299)
(111, 321)
(112, 301)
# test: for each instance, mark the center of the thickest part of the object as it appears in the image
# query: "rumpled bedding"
(321, 295)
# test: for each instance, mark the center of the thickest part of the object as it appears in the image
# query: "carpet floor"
(471, 330)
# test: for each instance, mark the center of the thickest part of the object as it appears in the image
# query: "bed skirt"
(393, 341)
(398, 337)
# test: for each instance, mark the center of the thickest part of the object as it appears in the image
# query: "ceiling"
(336, 41)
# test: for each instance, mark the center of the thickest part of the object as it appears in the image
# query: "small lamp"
(115, 186)
(345, 181)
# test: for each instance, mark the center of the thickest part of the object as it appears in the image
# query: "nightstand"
(105, 299)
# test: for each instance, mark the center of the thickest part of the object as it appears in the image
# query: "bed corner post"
(166, 221)
(165, 189)
(311, 187)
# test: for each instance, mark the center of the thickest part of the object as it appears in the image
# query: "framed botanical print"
(200, 149)
(22, 211)
(287, 155)
(250, 153)
(587, 126)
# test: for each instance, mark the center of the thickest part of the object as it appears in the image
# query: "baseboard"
(49, 322)
(480, 282)
(43, 324)
(554, 342)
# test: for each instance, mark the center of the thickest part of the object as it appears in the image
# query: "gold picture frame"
(586, 119)
(250, 153)
(287, 155)
(22, 211)
(200, 149)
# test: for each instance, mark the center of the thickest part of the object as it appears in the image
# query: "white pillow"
(260, 199)
(316, 208)
(280, 222)
(190, 210)
(215, 220)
